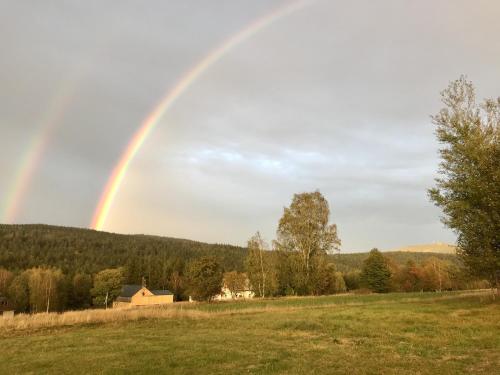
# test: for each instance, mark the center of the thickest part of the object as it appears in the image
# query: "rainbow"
(34, 153)
(49, 123)
(151, 121)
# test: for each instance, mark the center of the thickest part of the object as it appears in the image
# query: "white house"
(226, 295)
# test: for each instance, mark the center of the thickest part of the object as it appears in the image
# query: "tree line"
(299, 262)
(53, 268)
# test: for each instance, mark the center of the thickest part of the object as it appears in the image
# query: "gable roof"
(162, 292)
(130, 290)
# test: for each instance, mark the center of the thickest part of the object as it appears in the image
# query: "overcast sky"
(335, 97)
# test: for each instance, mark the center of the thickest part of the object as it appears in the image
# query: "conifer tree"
(376, 274)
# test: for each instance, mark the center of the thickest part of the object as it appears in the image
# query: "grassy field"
(429, 333)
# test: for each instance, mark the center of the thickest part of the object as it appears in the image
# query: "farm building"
(6, 308)
(137, 295)
(226, 295)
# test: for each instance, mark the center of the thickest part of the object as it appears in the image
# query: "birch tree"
(45, 289)
(304, 228)
(257, 264)
(468, 187)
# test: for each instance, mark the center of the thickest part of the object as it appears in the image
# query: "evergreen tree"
(376, 274)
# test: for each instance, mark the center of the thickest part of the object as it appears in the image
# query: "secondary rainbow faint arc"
(34, 153)
(49, 124)
(115, 180)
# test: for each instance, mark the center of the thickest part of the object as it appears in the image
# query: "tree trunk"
(263, 292)
(48, 293)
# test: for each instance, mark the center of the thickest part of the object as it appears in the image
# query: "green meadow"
(412, 333)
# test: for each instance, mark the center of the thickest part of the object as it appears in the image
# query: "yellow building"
(137, 295)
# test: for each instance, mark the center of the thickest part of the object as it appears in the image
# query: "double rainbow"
(35, 151)
(49, 123)
(115, 180)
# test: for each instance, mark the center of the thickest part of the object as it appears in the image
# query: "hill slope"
(84, 250)
(438, 247)
(353, 261)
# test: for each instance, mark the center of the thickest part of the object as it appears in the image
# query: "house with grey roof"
(139, 295)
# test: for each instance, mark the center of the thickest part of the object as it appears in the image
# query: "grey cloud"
(336, 97)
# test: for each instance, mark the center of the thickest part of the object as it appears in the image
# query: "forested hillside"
(75, 268)
(83, 250)
(354, 261)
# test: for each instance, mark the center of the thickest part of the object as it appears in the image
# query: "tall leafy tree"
(235, 282)
(376, 274)
(46, 289)
(352, 279)
(205, 278)
(19, 293)
(258, 264)
(468, 189)
(304, 229)
(5, 280)
(107, 286)
(81, 286)
(325, 279)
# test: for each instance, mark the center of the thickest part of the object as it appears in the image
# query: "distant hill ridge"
(438, 247)
(84, 250)
(89, 251)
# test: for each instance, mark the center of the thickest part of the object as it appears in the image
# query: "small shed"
(137, 295)
(6, 308)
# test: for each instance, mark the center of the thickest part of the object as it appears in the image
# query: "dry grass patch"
(31, 322)
(326, 335)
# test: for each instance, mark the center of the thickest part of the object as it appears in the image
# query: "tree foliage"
(468, 189)
(5, 279)
(76, 250)
(38, 290)
(304, 229)
(19, 294)
(80, 292)
(205, 278)
(326, 280)
(107, 286)
(259, 265)
(46, 287)
(236, 282)
(160, 260)
(376, 274)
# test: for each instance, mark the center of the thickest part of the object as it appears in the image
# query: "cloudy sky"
(335, 96)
